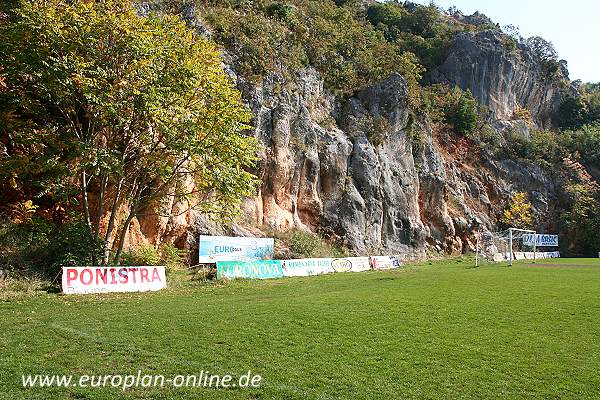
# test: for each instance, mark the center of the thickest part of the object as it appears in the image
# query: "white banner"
(385, 262)
(307, 267)
(84, 280)
(224, 248)
(351, 264)
(499, 257)
(541, 240)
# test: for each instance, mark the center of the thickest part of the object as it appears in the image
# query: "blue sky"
(572, 26)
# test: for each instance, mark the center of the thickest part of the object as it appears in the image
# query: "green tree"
(582, 215)
(518, 213)
(120, 113)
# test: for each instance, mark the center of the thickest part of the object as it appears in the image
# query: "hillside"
(362, 147)
(385, 128)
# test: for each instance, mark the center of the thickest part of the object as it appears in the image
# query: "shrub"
(259, 43)
(73, 244)
(142, 255)
(43, 247)
(167, 255)
(304, 244)
(458, 108)
(378, 128)
(172, 257)
(422, 32)
(572, 112)
(463, 115)
(283, 11)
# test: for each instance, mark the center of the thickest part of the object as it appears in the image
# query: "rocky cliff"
(502, 74)
(363, 171)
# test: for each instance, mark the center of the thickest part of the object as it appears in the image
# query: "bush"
(583, 108)
(284, 12)
(458, 108)
(377, 132)
(303, 244)
(422, 32)
(463, 115)
(307, 244)
(261, 44)
(43, 247)
(172, 257)
(167, 255)
(141, 256)
(518, 212)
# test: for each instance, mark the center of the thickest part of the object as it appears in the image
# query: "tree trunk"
(122, 236)
(100, 209)
(86, 207)
(111, 222)
(135, 206)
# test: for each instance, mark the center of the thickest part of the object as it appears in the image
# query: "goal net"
(505, 246)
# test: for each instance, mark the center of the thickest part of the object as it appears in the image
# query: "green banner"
(262, 269)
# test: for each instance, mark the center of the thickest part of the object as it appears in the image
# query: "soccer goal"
(508, 245)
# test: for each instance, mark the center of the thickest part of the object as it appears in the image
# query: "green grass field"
(432, 331)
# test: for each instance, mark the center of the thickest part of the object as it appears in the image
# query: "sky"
(572, 26)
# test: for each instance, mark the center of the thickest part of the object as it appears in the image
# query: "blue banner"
(224, 248)
(540, 240)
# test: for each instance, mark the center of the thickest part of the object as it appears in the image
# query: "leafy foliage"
(128, 109)
(582, 108)
(283, 37)
(41, 246)
(582, 217)
(453, 106)
(517, 214)
(423, 32)
(546, 54)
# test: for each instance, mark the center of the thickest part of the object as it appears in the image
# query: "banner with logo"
(385, 262)
(225, 248)
(307, 266)
(87, 280)
(351, 264)
(261, 269)
(541, 240)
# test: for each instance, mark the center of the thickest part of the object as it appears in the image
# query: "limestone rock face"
(364, 170)
(500, 76)
(353, 167)
(325, 173)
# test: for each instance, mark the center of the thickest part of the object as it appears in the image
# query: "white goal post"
(500, 246)
(515, 233)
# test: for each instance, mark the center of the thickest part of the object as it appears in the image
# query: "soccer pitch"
(440, 330)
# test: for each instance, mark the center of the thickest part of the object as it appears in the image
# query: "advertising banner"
(224, 248)
(540, 240)
(385, 262)
(499, 257)
(307, 266)
(261, 269)
(351, 264)
(87, 280)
